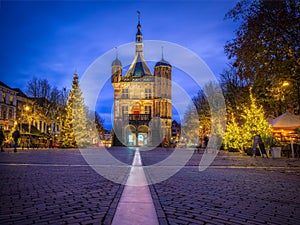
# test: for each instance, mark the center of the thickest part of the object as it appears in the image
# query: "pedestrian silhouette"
(16, 135)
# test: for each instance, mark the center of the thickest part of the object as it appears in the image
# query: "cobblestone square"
(59, 187)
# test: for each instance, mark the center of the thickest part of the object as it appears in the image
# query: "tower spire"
(138, 67)
(117, 62)
(116, 52)
(139, 16)
(139, 35)
(162, 52)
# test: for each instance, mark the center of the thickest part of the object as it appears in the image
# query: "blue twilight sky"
(52, 39)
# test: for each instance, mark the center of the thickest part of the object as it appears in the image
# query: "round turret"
(162, 62)
(116, 62)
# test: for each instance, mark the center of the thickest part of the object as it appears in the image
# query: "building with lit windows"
(17, 109)
(8, 107)
(142, 100)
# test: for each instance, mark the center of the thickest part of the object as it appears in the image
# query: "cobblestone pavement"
(58, 187)
(236, 189)
(55, 187)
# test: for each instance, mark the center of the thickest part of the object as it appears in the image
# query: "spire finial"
(162, 52)
(116, 52)
(139, 16)
(139, 35)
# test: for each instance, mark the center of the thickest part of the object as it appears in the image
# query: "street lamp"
(27, 108)
(285, 83)
(282, 90)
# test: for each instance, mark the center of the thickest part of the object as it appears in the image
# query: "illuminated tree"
(211, 112)
(190, 126)
(49, 102)
(254, 122)
(95, 124)
(9, 138)
(204, 114)
(74, 131)
(266, 51)
(235, 90)
(233, 140)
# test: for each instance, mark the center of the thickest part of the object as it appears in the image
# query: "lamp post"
(27, 108)
(285, 83)
(281, 96)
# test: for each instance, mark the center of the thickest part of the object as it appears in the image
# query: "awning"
(287, 121)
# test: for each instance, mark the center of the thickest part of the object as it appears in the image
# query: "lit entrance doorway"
(142, 139)
(136, 137)
(130, 135)
(143, 135)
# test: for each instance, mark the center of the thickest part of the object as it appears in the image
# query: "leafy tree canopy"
(266, 50)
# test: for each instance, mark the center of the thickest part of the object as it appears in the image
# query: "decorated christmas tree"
(254, 122)
(232, 138)
(74, 131)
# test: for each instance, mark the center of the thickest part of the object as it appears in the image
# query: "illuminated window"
(4, 97)
(124, 110)
(147, 109)
(148, 93)
(124, 93)
(11, 99)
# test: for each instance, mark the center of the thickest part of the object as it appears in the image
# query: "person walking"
(255, 142)
(16, 135)
(2, 139)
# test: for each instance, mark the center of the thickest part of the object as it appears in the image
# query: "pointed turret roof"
(162, 62)
(139, 66)
(116, 62)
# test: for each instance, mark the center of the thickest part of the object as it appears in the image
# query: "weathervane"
(139, 15)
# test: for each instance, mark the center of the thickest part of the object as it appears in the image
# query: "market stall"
(286, 128)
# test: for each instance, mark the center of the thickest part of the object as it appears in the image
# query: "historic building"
(142, 100)
(17, 109)
(8, 106)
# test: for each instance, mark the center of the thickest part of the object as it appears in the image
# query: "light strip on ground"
(136, 205)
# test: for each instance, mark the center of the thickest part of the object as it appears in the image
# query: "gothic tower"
(163, 95)
(142, 101)
(116, 70)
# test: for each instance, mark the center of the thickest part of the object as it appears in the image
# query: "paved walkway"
(136, 206)
(58, 187)
(236, 189)
(55, 187)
